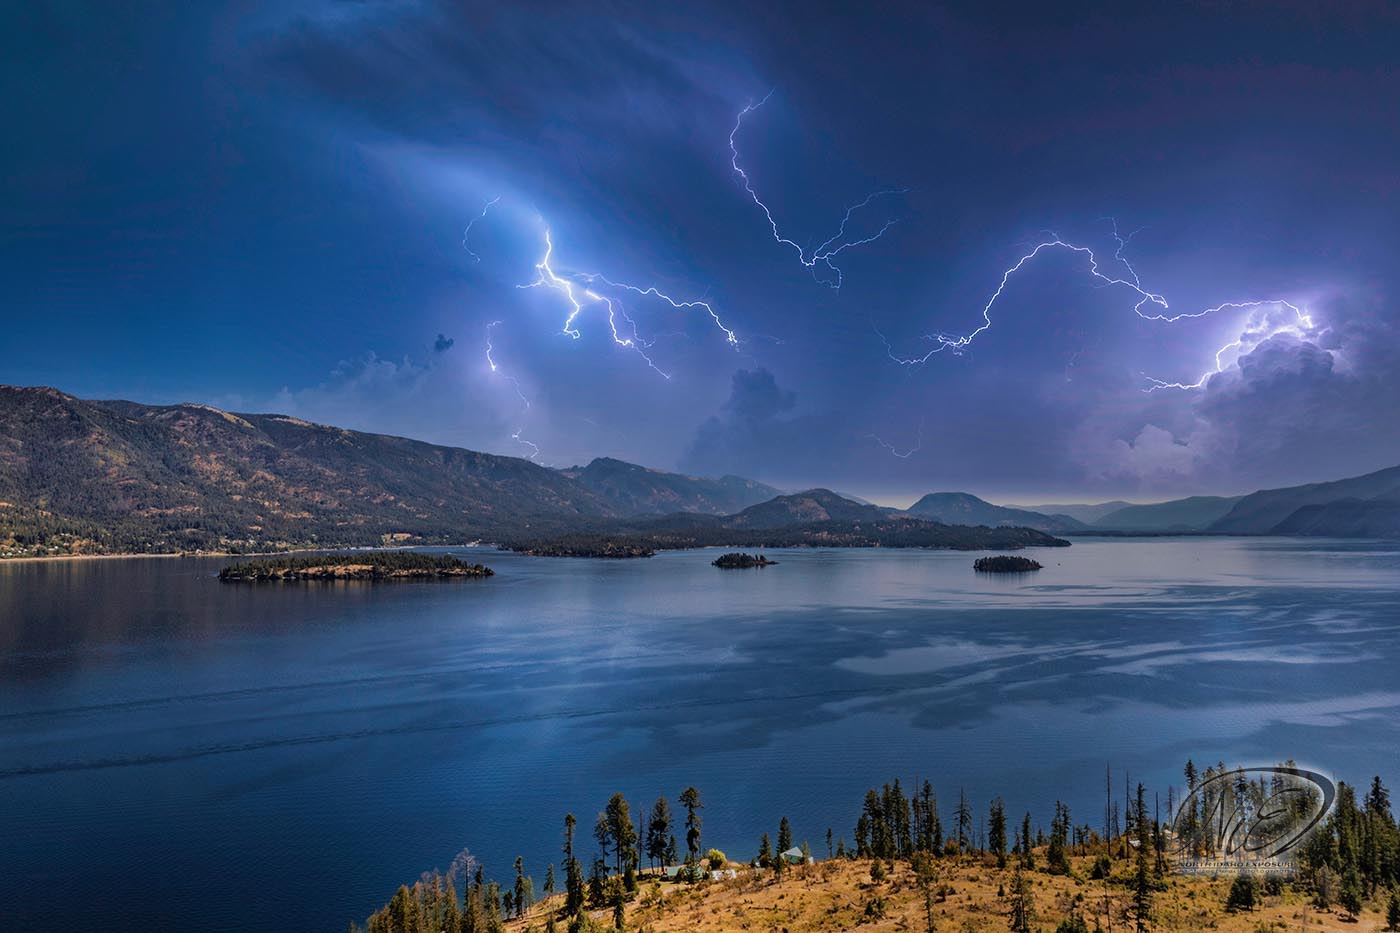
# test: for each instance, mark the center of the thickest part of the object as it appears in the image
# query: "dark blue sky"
(262, 206)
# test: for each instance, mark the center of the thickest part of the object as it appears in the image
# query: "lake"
(176, 753)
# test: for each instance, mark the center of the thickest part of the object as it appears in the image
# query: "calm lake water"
(176, 753)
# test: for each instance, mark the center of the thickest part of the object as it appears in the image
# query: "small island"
(369, 565)
(1005, 563)
(739, 561)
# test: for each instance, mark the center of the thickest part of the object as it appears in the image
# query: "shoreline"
(226, 554)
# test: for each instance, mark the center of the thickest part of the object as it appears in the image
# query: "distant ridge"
(961, 508)
(813, 505)
(1080, 512)
(639, 490)
(1195, 513)
(1271, 510)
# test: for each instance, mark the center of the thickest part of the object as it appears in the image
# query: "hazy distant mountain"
(1345, 518)
(638, 490)
(814, 505)
(1195, 513)
(815, 518)
(961, 508)
(123, 476)
(1264, 511)
(1080, 512)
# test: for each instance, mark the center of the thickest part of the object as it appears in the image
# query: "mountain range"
(1360, 506)
(114, 476)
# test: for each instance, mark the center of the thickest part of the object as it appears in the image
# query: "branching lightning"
(546, 277)
(838, 242)
(525, 402)
(1301, 327)
(581, 289)
(1149, 306)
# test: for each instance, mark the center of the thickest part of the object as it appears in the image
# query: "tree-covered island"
(738, 560)
(1005, 563)
(366, 565)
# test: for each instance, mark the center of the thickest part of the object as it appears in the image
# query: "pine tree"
(1027, 859)
(1242, 893)
(617, 819)
(926, 873)
(1142, 884)
(1056, 855)
(1392, 912)
(1022, 909)
(573, 872)
(996, 832)
(765, 852)
(602, 833)
(896, 809)
(928, 829)
(690, 799)
(549, 880)
(658, 830)
(597, 879)
(520, 902)
(492, 900)
(964, 816)
(1350, 898)
(784, 835)
(1324, 887)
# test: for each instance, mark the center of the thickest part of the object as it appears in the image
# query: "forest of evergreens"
(1350, 862)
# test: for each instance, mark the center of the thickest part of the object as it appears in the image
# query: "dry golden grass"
(840, 895)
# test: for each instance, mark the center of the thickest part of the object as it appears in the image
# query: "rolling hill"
(814, 505)
(961, 508)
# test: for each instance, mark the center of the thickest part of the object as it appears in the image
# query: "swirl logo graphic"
(1249, 820)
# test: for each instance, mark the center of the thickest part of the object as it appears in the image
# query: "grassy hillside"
(910, 870)
(840, 895)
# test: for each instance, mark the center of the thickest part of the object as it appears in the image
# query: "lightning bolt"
(525, 402)
(832, 247)
(578, 296)
(1149, 306)
(895, 451)
(472, 223)
(580, 290)
(1301, 328)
